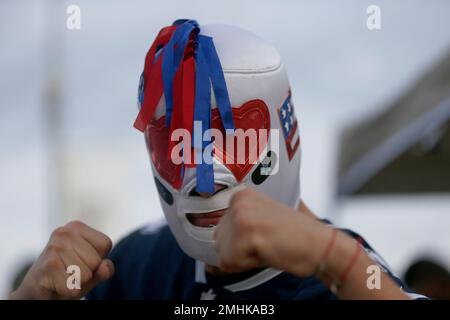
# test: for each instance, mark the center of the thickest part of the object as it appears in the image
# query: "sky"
(339, 72)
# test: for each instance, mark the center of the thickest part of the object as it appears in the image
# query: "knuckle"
(86, 275)
(75, 225)
(239, 196)
(95, 261)
(246, 229)
(109, 243)
(106, 245)
(61, 232)
(54, 248)
(247, 192)
(51, 264)
(246, 206)
(43, 281)
(241, 219)
(256, 242)
(239, 214)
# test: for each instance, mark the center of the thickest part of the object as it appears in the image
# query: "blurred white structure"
(394, 172)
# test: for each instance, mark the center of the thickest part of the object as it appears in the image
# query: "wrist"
(30, 292)
(21, 294)
(334, 268)
(315, 237)
(322, 242)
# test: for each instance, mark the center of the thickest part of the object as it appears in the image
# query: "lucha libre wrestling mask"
(225, 79)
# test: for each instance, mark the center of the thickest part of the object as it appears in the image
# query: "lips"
(206, 219)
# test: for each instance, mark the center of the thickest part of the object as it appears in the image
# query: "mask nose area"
(223, 179)
(217, 188)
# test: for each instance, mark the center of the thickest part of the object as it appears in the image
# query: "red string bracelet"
(320, 273)
(347, 270)
(337, 285)
(322, 264)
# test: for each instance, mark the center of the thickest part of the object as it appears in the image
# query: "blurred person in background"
(429, 278)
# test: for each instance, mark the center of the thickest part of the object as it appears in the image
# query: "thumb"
(104, 271)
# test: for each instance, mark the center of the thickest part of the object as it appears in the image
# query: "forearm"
(346, 269)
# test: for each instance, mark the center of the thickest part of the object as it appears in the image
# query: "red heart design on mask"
(241, 158)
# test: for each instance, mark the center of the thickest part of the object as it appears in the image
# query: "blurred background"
(373, 108)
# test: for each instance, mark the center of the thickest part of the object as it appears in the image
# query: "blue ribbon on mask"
(218, 82)
(209, 72)
(202, 114)
(141, 91)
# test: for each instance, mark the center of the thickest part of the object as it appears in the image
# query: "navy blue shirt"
(149, 264)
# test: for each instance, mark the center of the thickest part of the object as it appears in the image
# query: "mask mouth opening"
(207, 219)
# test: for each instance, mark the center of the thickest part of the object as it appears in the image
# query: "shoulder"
(145, 240)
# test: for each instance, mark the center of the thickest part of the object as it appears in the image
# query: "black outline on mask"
(164, 192)
(269, 162)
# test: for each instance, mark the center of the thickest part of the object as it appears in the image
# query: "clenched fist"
(74, 244)
(257, 231)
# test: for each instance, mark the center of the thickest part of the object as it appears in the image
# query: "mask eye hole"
(194, 193)
(163, 192)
